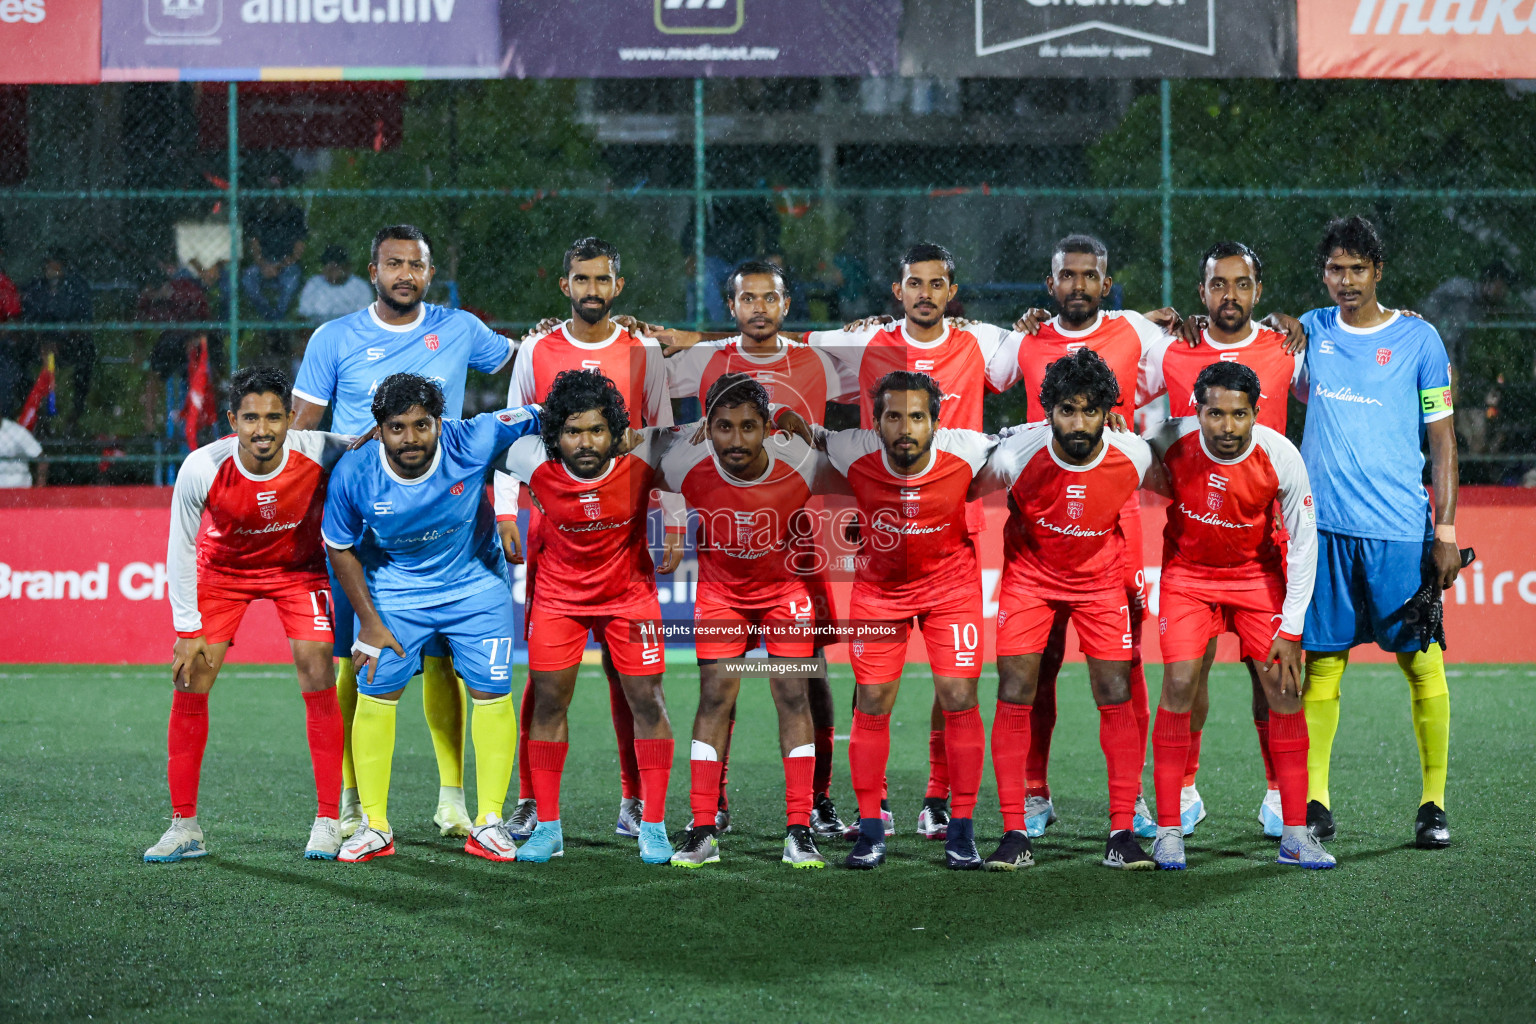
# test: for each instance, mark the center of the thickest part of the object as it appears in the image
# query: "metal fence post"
(699, 204)
(234, 225)
(1165, 186)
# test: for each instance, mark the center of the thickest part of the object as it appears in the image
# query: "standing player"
(1222, 569)
(910, 477)
(750, 493)
(589, 340)
(1376, 384)
(594, 576)
(1064, 556)
(799, 378)
(263, 488)
(411, 539)
(343, 365)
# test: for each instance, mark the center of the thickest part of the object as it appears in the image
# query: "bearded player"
(1224, 569)
(343, 365)
(802, 379)
(594, 576)
(590, 339)
(263, 488)
(1064, 556)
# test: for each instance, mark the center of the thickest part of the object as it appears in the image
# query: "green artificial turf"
(253, 931)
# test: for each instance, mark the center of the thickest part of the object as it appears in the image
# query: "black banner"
(1099, 38)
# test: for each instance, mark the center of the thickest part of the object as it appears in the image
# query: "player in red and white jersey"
(801, 379)
(245, 526)
(749, 491)
(910, 477)
(1065, 556)
(589, 340)
(594, 575)
(1222, 569)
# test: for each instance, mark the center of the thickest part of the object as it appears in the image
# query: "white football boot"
(182, 841)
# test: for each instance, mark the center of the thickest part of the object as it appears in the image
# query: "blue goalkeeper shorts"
(477, 628)
(1361, 588)
(345, 621)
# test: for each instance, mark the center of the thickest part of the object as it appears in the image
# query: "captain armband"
(1433, 401)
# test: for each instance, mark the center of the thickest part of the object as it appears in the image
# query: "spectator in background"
(335, 291)
(62, 296)
(17, 447)
(10, 357)
(277, 231)
(174, 295)
(735, 229)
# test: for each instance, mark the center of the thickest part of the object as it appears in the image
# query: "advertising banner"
(50, 41)
(82, 579)
(699, 38)
(1416, 38)
(1099, 38)
(243, 40)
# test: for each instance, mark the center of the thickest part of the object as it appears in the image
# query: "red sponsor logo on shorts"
(457, 488)
(1162, 624)
(1383, 356)
(431, 341)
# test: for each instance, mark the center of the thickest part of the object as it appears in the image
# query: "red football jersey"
(797, 376)
(1121, 338)
(258, 528)
(1172, 367)
(1062, 538)
(594, 556)
(1221, 524)
(915, 531)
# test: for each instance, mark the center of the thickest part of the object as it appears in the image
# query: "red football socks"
(1117, 736)
(1010, 751)
(823, 778)
(546, 764)
(938, 766)
(1288, 744)
(1170, 753)
(322, 721)
(965, 745)
(186, 739)
(725, 761)
(654, 761)
(798, 773)
(525, 723)
(869, 748)
(1042, 721)
(704, 791)
(1192, 761)
(1261, 726)
(1140, 707)
(624, 732)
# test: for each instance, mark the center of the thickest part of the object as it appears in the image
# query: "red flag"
(201, 406)
(41, 391)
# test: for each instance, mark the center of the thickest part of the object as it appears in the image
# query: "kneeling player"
(1222, 569)
(413, 543)
(594, 576)
(263, 488)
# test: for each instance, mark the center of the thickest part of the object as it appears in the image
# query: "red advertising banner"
(82, 579)
(50, 41)
(1416, 38)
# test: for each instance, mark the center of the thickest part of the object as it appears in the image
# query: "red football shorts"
(726, 625)
(950, 620)
(823, 606)
(1135, 565)
(303, 605)
(1102, 621)
(1190, 613)
(556, 640)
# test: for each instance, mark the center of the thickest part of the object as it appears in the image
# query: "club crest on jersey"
(266, 504)
(1214, 500)
(590, 505)
(910, 498)
(1075, 495)
(457, 488)
(1383, 356)
(431, 342)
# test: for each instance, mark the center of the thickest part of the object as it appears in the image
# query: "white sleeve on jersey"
(658, 402)
(845, 447)
(1150, 383)
(1133, 448)
(680, 457)
(524, 456)
(321, 446)
(971, 445)
(1300, 522)
(521, 391)
(1003, 368)
(652, 449)
(187, 503)
(846, 350)
(685, 371)
(1008, 458)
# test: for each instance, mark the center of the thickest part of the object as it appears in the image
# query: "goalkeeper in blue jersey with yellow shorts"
(1377, 383)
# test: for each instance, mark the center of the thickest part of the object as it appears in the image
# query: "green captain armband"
(1433, 401)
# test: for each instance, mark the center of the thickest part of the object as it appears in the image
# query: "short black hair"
(590, 248)
(735, 389)
(1354, 235)
(753, 267)
(1085, 373)
(1221, 250)
(907, 380)
(1232, 377)
(399, 391)
(574, 392)
(401, 233)
(929, 252)
(1081, 243)
(259, 380)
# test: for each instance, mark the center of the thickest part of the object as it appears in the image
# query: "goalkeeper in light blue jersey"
(1377, 384)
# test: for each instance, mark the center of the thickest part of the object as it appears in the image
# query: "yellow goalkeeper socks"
(346, 696)
(373, 750)
(1431, 717)
(494, 727)
(442, 701)
(1321, 704)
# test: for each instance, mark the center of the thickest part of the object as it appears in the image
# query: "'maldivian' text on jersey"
(1173, 366)
(1062, 539)
(797, 376)
(258, 529)
(1221, 524)
(347, 359)
(432, 540)
(915, 532)
(1369, 394)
